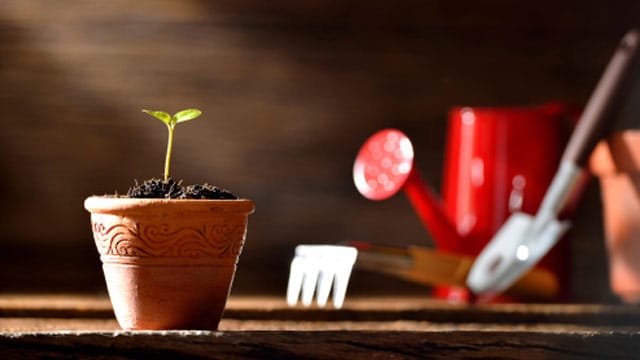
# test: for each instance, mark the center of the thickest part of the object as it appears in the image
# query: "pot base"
(148, 297)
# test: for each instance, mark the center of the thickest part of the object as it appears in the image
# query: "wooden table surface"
(69, 326)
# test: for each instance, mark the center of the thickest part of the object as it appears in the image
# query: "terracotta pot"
(616, 162)
(168, 264)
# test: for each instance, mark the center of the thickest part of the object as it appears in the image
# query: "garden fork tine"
(315, 268)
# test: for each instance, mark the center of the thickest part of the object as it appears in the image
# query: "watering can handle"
(596, 122)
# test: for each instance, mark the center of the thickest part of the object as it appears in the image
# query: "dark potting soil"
(171, 189)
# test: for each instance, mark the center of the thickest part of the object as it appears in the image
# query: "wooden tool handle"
(435, 267)
(595, 121)
(536, 284)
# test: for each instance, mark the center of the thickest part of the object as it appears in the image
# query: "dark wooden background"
(289, 90)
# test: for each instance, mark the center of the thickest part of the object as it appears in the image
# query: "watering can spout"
(432, 214)
(384, 166)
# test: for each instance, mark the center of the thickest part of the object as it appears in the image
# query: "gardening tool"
(384, 166)
(431, 267)
(315, 267)
(524, 239)
(319, 267)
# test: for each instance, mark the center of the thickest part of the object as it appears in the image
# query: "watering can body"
(499, 161)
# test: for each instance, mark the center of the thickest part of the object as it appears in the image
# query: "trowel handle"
(596, 121)
(429, 209)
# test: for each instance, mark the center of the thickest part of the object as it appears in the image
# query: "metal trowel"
(524, 239)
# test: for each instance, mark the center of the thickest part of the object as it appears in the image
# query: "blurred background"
(289, 91)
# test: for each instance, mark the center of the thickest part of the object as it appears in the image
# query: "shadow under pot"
(168, 263)
(616, 163)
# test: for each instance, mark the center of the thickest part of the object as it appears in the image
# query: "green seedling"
(171, 122)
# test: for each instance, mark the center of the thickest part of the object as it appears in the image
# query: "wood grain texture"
(322, 345)
(289, 90)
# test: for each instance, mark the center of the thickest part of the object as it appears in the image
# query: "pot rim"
(619, 153)
(115, 203)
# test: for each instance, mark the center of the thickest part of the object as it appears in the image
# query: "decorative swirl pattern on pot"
(117, 236)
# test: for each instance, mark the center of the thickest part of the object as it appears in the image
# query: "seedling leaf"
(160, 115)
(186, 115)
(171, 122)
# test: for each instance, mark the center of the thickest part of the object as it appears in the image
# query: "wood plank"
(14, 325)
(356, 309)
(389, 327)
(321, 345)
